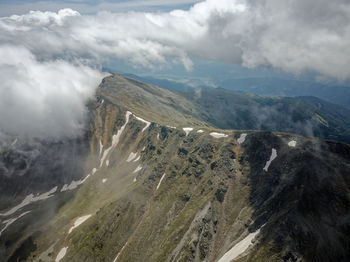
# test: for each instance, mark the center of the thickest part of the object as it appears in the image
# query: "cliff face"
(162, 185)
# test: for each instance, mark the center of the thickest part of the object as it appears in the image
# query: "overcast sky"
(51, 58)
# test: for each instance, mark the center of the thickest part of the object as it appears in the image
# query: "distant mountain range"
(336, 94)
(273, 87)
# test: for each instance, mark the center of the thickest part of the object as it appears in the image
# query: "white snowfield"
(200, 131)
(239, 248)
(158, 136)
(242, 138)
(61, 254)
(137, 159)
(78, 222)
(187, 130)
(218, 135)
(142, 120)
(28, 200)
(137, 169)
(115, 139)
(160, 181)
(104, 180)
(272, 157)
(292, 143)
(131, 157)
(10, 221)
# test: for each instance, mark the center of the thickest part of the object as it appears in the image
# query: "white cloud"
(43, 99)
(293, 35)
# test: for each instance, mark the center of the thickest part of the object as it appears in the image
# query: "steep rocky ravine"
(168, 187)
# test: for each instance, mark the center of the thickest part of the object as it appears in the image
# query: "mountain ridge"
(157, 192)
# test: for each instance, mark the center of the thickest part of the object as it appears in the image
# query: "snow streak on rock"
(10, 221)
(218, 135)
(61, 254)
(187, 130)
(272, 157)
(28, 200)
(242, 138)
(160, 181)
(115, 139)
(239, 248)
(144, 121)
(78, 222)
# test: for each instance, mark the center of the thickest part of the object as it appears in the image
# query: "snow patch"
(158, 136)
(172, 127)
(272, 157)
(28, 200)
(94, 170)
(187, 130)
(137, 169)
(78, 222)
(104, 180)
(144, 121)
(71, 186)
(143, 149)
(239, 248)
(74, 184)
(134, 180)
(61, 254)
(242, 138)
(101, 147)
(292, 143)
(160, 181)
(115, 139)
(10, 221)
(200, 131)
(131, 157)
(83, 181)
(218, 135)
(137, 159)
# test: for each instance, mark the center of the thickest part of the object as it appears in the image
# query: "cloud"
(43, 99)
(295, 35)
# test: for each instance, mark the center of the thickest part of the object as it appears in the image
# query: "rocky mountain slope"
(161, 184)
